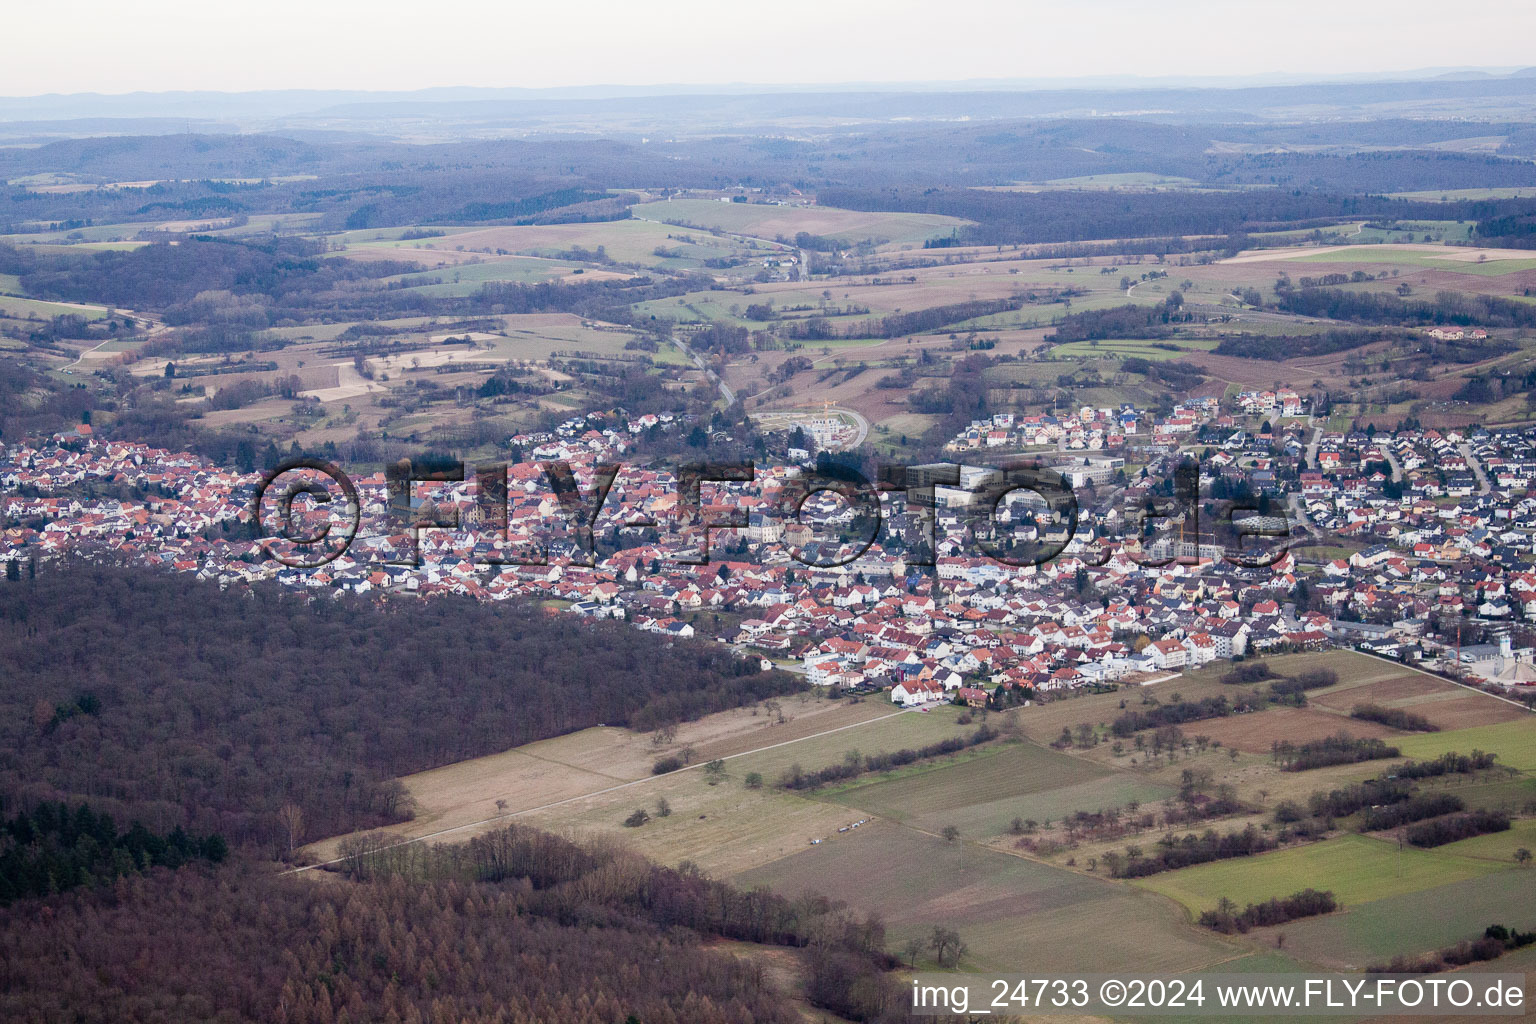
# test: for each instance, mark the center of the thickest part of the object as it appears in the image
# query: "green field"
(1416, 922)
(771, 222)
(1127, 347)
(1357, 869)
(627, 241)
(1498, 846)
(393, 235)
(23, 308)
(1453, 194)
(1014, 914)
(1416, 258)
(467, 278)
(982, 794)
(1514, 742)
(896, 732)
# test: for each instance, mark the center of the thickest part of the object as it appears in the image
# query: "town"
(1439, 569)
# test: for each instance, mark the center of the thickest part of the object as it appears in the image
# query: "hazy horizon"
(116, 50)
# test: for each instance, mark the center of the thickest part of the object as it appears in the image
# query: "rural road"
(155, 327)
(82, 355)
(726, 391)
(597, 792)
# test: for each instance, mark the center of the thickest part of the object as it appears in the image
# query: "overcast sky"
(115, 46)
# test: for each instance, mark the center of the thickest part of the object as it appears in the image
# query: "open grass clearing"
(594, 759)
(982, 794)
(1453, 194)
(725, 828)
(1493, 267)
(466, 278)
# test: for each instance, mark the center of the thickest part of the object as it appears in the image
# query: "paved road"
(726, 391)
(1483, 485)
(1317, 438)
(599, 792)
(859, 421)
(1294, 500)
(1397, 469)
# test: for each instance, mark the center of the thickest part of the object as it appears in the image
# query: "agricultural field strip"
(1443, 679)
(1360, 869)
(599, 792)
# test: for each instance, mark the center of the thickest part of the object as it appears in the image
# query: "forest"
(54, 848)
(1448, 308)
(246, 286)
(1011, 218)
(516, 927)
(213, 709)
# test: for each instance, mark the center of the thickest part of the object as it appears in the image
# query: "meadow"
(1455, 260)
(16, 308)
(904, 862)
(1124, 348)
(1357, 869)
(1014, 914)
(1513, 741)
(981, 795)
(771, 222)
(467, 278)
(626, 241)
(1414, 922)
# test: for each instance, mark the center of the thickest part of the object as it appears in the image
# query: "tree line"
(1228, 920)
(856, 764)
(1340, 749)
